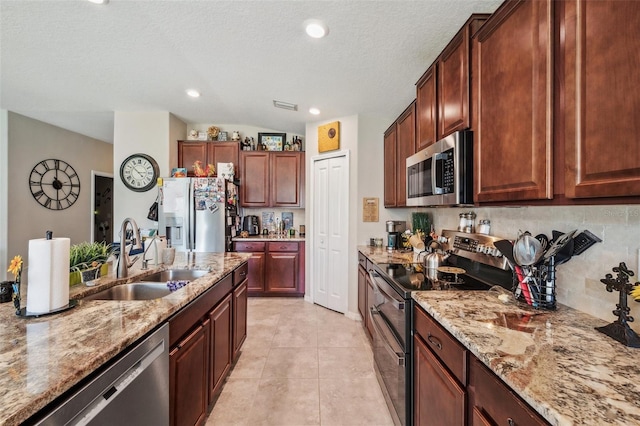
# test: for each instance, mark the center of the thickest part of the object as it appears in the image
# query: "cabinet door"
(601, 98)
(438, 398)
(281, 275)
(220, 345)
(223, 152)
(370, 301)
(494, 402)
(188, 363)
(362, 293)
(189, 152)
(426, 110)
(512, 138)
(453, 85)
(405, 146)
(390, 167)
(239, 317)
(256, 272)
(254, 179)
(286, 179)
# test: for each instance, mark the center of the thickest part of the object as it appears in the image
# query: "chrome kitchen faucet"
(123, 259)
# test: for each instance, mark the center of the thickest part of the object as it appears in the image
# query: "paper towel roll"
(48, 279)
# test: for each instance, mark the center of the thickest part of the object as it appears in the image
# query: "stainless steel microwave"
(442, 173)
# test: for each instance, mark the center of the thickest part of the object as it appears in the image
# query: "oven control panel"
(477, 247)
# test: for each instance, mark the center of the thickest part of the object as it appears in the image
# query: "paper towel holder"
(23, 311)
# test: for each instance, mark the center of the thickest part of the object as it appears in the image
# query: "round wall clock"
(54, 184)
(139, 172)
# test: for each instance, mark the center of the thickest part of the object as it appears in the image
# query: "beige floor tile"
(349, 336)
(250, 363)
(286, 402)
(348, 363)
(232, 405)
(352, 402)
(292, 363)
(259, 336)
(295, 336)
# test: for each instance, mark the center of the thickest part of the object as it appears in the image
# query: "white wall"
(30, 141)
(152, 133)
(4, 190)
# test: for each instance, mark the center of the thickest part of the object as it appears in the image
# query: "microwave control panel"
(446, 166)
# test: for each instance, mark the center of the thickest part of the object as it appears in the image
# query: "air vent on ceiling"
(285, 105)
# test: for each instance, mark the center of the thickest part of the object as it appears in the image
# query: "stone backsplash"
(578, 280)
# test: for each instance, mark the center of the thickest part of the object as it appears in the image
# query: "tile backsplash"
(578, 280)
(298, 215)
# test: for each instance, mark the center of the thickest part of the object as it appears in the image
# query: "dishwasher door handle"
(400, 359)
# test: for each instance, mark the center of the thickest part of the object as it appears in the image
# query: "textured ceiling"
(72, 63)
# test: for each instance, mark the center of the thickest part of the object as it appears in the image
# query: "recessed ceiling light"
(314, 111)
(193, 93)
(316, 28)
(99, 1)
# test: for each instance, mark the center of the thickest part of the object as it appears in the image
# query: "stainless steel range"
(473, 264)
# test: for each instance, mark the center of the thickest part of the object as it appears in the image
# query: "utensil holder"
(540, 282)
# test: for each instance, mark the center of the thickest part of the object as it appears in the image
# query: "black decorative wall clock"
(139, 172)
(54, 184)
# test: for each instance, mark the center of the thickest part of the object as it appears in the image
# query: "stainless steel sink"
(175, 275)
(132, 291)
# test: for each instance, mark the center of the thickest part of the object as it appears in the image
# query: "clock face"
(139, 172)
(54, 184)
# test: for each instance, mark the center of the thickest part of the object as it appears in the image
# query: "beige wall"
(29, 142)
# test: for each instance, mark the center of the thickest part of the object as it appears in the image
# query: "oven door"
(390, 357)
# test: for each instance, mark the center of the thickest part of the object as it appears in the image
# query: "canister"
(484, 226)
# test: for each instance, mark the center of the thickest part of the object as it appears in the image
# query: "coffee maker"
(250, 224)
(394, 230)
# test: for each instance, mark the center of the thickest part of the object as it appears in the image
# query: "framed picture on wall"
(272, 141)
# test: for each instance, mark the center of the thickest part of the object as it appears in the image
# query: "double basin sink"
(151, 287)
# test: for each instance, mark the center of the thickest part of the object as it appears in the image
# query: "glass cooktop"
(414, 277)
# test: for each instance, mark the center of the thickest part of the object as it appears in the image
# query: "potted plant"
(88, 261)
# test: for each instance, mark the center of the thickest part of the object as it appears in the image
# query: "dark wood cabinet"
(426, 110)
(371, 297)
(275, 268)
(220, 341)
(492, 402)
(405, 147)
(390, 165)
(601, 97)
(240, 294)
(362, 287)
(188, 365)
(513, 103)
(208, 153)
(438, 397)
(272, 179)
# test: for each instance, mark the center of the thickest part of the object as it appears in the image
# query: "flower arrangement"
(15, 267)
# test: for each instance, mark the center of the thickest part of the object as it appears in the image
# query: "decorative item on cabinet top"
(213, 132)
(329, 137)
(272, 141)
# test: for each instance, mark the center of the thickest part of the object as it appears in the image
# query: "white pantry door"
(329, 217)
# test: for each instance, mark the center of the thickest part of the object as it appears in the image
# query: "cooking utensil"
(506, 248)
(559, 243)
(527, 250)
(523, 284)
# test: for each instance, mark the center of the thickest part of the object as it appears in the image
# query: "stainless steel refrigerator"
(198, 214)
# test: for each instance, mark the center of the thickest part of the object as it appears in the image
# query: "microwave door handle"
(435, 189)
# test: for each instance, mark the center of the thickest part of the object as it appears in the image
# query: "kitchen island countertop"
(41, 358)
(555, 360)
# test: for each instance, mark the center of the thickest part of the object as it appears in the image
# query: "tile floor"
(301, 364)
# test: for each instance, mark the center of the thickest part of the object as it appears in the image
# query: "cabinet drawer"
(274, 246)
(494, 403)
(452, 354)
(250, 246)
(362, 260)
(241, 273)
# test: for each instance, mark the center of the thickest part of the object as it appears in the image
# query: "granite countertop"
(268, 238)
(382, 255)
(41, 358)
(555, 360)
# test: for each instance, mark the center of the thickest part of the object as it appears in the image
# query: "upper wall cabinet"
(208, 153)
(443, 92)
(399, 143)
(272, 179)
(601, 83)
(513, 103)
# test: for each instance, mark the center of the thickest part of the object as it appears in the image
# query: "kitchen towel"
(48, 279)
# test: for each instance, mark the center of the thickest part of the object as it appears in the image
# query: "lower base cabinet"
(205, 338)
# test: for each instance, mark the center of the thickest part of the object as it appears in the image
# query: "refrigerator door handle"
(191, 218)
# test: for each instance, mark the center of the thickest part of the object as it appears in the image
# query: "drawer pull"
(243, 273)
(510, 422)
(434, 341)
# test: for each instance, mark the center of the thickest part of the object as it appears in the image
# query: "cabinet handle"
(434, 341)
(510, 422)
(243, 273)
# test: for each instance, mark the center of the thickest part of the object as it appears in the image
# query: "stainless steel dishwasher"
(134, 390)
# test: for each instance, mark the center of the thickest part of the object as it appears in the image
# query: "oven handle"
(399, 356)
(374, 279)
